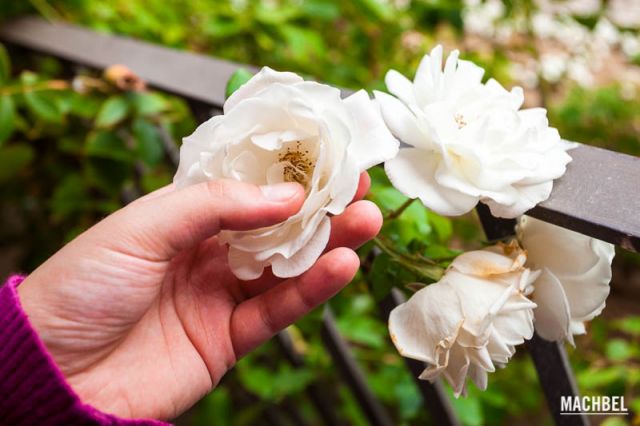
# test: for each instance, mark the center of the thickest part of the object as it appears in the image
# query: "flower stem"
(45, 85)
(397, 212)
(419, 266)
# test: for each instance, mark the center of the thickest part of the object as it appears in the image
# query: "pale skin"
(141, 312)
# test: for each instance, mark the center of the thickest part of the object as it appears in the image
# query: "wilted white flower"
(279, 128)
(570, 7)
(606, 32)
(526, 73)
(630, 44)
(578, 71)
(480, 18)
(469, 140)
(470, 320)
(574, 280)
(553, 66)
(624, 13)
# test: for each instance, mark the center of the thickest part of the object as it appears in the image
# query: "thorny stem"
(47, 85)
(397, 212)
(418, 265)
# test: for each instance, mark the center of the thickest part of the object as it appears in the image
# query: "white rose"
(279, 128)
(469, 320)
(469, 140)
(574, 281)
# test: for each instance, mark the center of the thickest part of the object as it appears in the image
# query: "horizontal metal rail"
(598, 196)
(549, 358)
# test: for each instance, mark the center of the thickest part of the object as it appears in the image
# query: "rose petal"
(552, 316)
(411, 172)
(401, 121)
(306, 256)
(372, 142)
(400, 86)
(263, 79)
(419, 325)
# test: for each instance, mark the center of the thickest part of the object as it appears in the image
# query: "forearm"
(32, 388)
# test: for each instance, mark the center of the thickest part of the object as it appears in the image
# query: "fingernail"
(280, 191)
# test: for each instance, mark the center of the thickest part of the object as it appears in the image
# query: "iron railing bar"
(318, 396)
(598, 195)
(190, 75)
(556, 378)
(434, 395)
(550, 359)
(354, 377)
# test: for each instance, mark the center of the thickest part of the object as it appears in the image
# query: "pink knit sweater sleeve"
(33, 391)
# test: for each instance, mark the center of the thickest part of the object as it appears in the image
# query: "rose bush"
(574, 281)
(469, 320)
(279, 128)
(469, 140)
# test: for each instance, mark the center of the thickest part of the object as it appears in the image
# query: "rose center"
(459, 118)
(297, 165)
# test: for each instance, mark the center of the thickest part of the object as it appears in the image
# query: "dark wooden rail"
(598, 196)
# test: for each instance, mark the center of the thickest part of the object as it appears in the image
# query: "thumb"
(163, 225)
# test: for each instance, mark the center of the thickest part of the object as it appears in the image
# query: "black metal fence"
(598, 196)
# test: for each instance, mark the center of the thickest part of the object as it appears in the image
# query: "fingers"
(359, 223)
(157, 193)
(256, 320)
(363, 186)
(163, 225)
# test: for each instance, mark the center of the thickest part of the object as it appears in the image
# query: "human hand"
(141, 312)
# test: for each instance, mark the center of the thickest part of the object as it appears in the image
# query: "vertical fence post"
(341, 354)
(434, 395)
(549, 358)
(320, 400)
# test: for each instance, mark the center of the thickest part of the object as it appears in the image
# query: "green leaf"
(385, 274)
(320, 10)
(303, 44)
(148, 142)
(596, 378)
(69, 197)
(113, 110)
(220, 28)
(629, 325)
(42, 103)
(13, 159)
(619, 350)
(155, 179)
(83, 105)
(237, 79)
(5, 65)
(380, 284)
(7, 118)
(105, 144)
(442, 226)
(109, 175)
(379, 9)
(148, 103)
(469, 410)
(273, 385)
(363, 330)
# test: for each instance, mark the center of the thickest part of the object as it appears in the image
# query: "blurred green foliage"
(75, 146)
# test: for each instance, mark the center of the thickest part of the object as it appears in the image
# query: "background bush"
(76, 145)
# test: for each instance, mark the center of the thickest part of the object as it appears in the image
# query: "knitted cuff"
(33, 390)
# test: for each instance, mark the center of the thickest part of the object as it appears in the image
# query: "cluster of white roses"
(568, 48)
(466, 142)
(490, 300)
